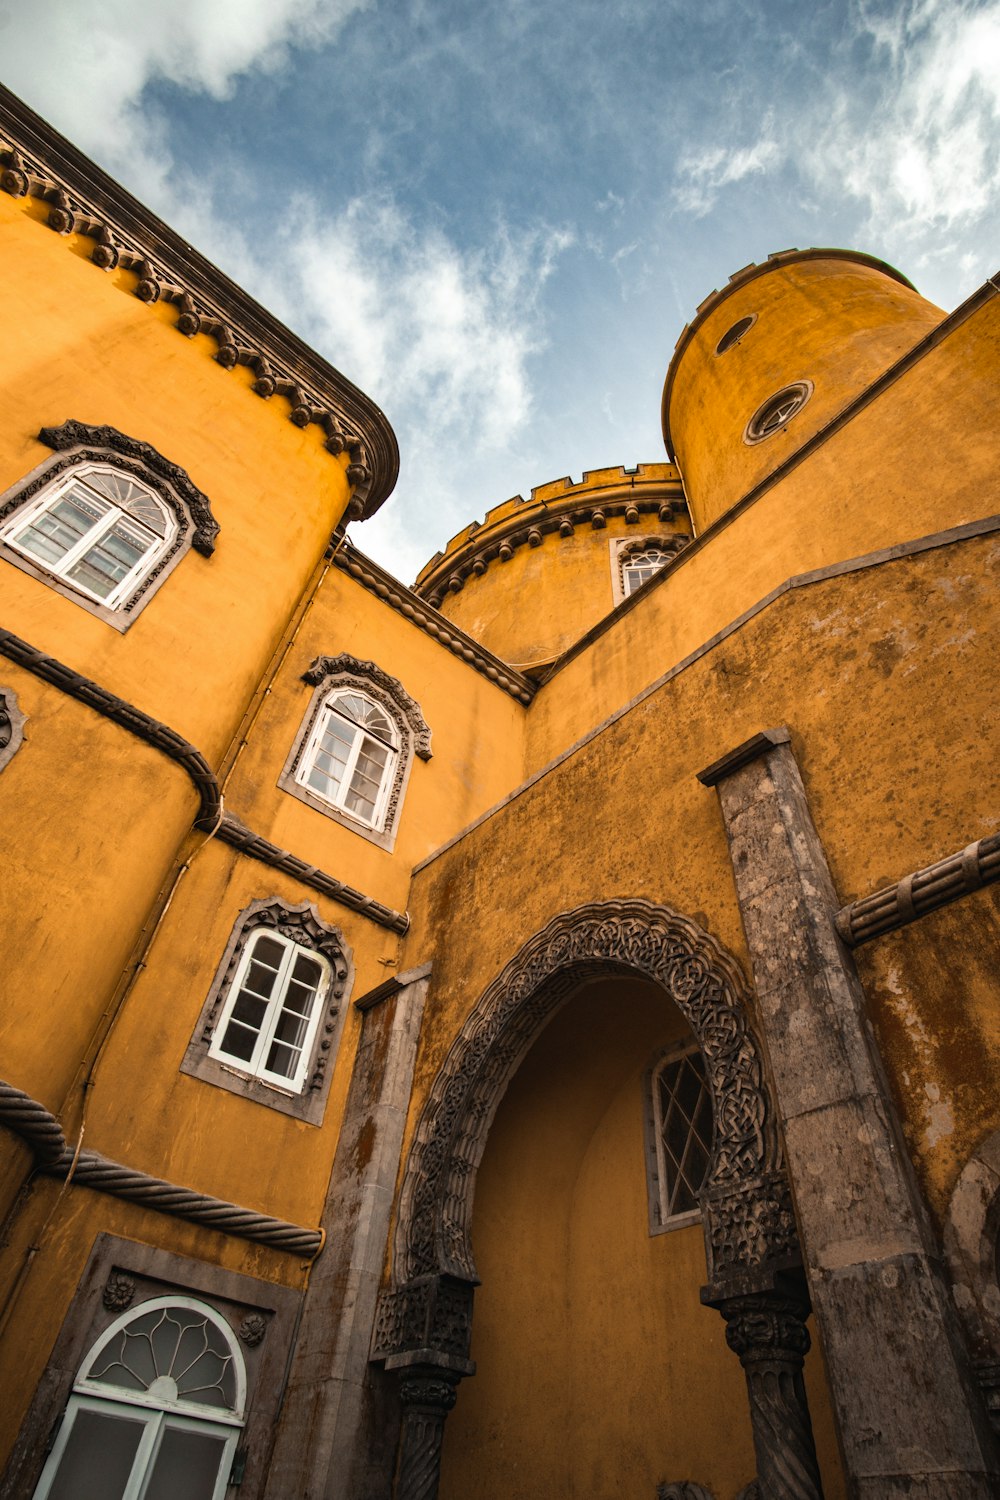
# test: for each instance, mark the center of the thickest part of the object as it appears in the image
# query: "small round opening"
(733, 335)
(777, 411)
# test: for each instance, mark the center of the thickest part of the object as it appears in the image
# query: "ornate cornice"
(923, 891)
(38, 162)
(426, 618)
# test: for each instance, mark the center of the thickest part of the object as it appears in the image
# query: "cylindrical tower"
(533, 577)
(773, 358)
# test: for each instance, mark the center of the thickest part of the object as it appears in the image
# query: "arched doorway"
(754, 1267)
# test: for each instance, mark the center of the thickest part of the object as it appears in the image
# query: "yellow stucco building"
(425, 1011)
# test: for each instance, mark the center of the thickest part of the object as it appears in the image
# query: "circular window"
(733, 335)
(777, 411)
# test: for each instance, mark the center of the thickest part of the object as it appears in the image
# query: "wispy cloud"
(703, 174)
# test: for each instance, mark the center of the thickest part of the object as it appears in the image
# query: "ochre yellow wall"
(838, 323)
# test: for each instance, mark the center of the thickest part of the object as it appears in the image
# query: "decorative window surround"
(625, 550)
(209, 1056)
(679, 1136)
(123, 1279)
(12, 722)
(333, 677)
(172, 516)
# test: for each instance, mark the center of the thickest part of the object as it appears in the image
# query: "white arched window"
(639, 567)
(350, 756)
(97, 528)
(274, 1005)
(156, 1410)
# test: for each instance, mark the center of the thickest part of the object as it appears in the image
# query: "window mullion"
(142, 1468)
(273, 1013)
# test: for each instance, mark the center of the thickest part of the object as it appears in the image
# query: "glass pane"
(283, 1059)
(268, 950)
(131, 496)
(98, 1458)
(179, 1345)
(239, 1041)
(110, 559)
(684, 1110)
(259, 978)
(51, 535)
(186, 1466)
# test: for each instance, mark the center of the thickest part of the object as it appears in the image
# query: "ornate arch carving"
(747, 1205)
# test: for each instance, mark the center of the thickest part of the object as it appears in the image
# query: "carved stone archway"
(424, 1323)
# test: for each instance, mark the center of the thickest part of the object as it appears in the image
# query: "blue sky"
(497, 217)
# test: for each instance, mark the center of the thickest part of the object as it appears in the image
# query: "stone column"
(427, 1393)
(910, 1420)
(768, 1332)
(330, 1423)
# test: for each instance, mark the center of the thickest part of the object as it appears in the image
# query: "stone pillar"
(427, 1393)
(909, 1418)
(768, 1332)
(329, 1427)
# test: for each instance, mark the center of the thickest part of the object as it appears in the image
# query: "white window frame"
(658, 1170)
(25, 516)
(157, 1414)
(254, 1067)
(339, 801)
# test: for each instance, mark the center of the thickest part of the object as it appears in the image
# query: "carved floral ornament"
(746, 1201)
(115, 247)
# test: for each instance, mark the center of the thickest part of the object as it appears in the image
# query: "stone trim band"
(211, 818)
(41, 1130)
(922, 892)
(427, 619)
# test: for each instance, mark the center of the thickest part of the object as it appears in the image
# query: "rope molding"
(922, 892)
(210, 815)
(41, 1130)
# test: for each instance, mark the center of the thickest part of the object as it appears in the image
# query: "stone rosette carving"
(119, 1289)
(252, 1329)
(745, 1181)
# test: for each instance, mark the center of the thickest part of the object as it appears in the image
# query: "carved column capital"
(427, 1393)
(429, 1389)
(767, 1326)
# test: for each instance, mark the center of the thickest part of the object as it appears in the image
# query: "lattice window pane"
(684, 1123)
(172, 1354)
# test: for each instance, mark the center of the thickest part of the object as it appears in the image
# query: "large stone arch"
(424, 1324)
(748, 1215)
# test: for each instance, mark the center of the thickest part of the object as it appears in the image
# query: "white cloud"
(83, 64)
(703, 174)
(928, 155)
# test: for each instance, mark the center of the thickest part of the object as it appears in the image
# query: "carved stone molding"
(972, 1251)
(211, 818)
(12, 722)
(426, 618)
(683, 1489)
(917, 894)
(329, 671)
(37, 162)
(428, 1313)
(704, 981)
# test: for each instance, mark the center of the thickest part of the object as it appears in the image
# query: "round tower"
(536, 574)
(776, 356)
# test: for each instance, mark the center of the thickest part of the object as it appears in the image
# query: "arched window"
(680, 1126)
(98, 529)
(350, 757)
(269, 1026)
(103, 521)
(274, 1006)
(638, 567)
(156, 1410)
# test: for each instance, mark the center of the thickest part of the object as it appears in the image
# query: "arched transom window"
(97, 528)
(638, 567)
(156, 1410)
(350, 757)
(273, 1008)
